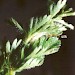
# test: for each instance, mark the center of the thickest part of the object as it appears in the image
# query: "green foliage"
(41, 39)
(16, 24)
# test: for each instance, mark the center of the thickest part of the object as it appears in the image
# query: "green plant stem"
(11, 72)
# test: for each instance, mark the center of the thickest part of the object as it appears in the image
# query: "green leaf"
(19, 42)
(31, 23)
(14, 44)
(42, 40)
(51, 51)
(49, 47)
(66, 24)
(66, 14)
(22, 53)
(31, 63)
(8, 47)
(41, 22)
(54, 10)
(16, 24)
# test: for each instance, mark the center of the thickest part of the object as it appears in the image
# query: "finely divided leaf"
(65, 24)
(56, 8)
(31, 63)
(15, 44)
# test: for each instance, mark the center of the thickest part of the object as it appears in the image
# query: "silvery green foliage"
(15, 44)
(41, 39)
(5, 55)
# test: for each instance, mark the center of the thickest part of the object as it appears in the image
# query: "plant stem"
(10, 72)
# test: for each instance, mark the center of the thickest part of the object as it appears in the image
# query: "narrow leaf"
(18, 43)
(58, 7)
(14, 44)
(17, 24)
(66, 24)
(31, 23)
(8, 47)
(22, 53)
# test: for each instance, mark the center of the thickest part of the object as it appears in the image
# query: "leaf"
(42, 40)
(38, 35)
(31, 23)
(14, 44)
(54, 48)
(54, 10)
(22, 53)
(51, 51)
(8, 47)
(45, 47)
(50, 46)
(41, 22)
(31, 63)
(19, 42)
(16, 24)
(34, 52)
(67, 14)
(66, 24)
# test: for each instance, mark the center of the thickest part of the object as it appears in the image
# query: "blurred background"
(61, 63)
